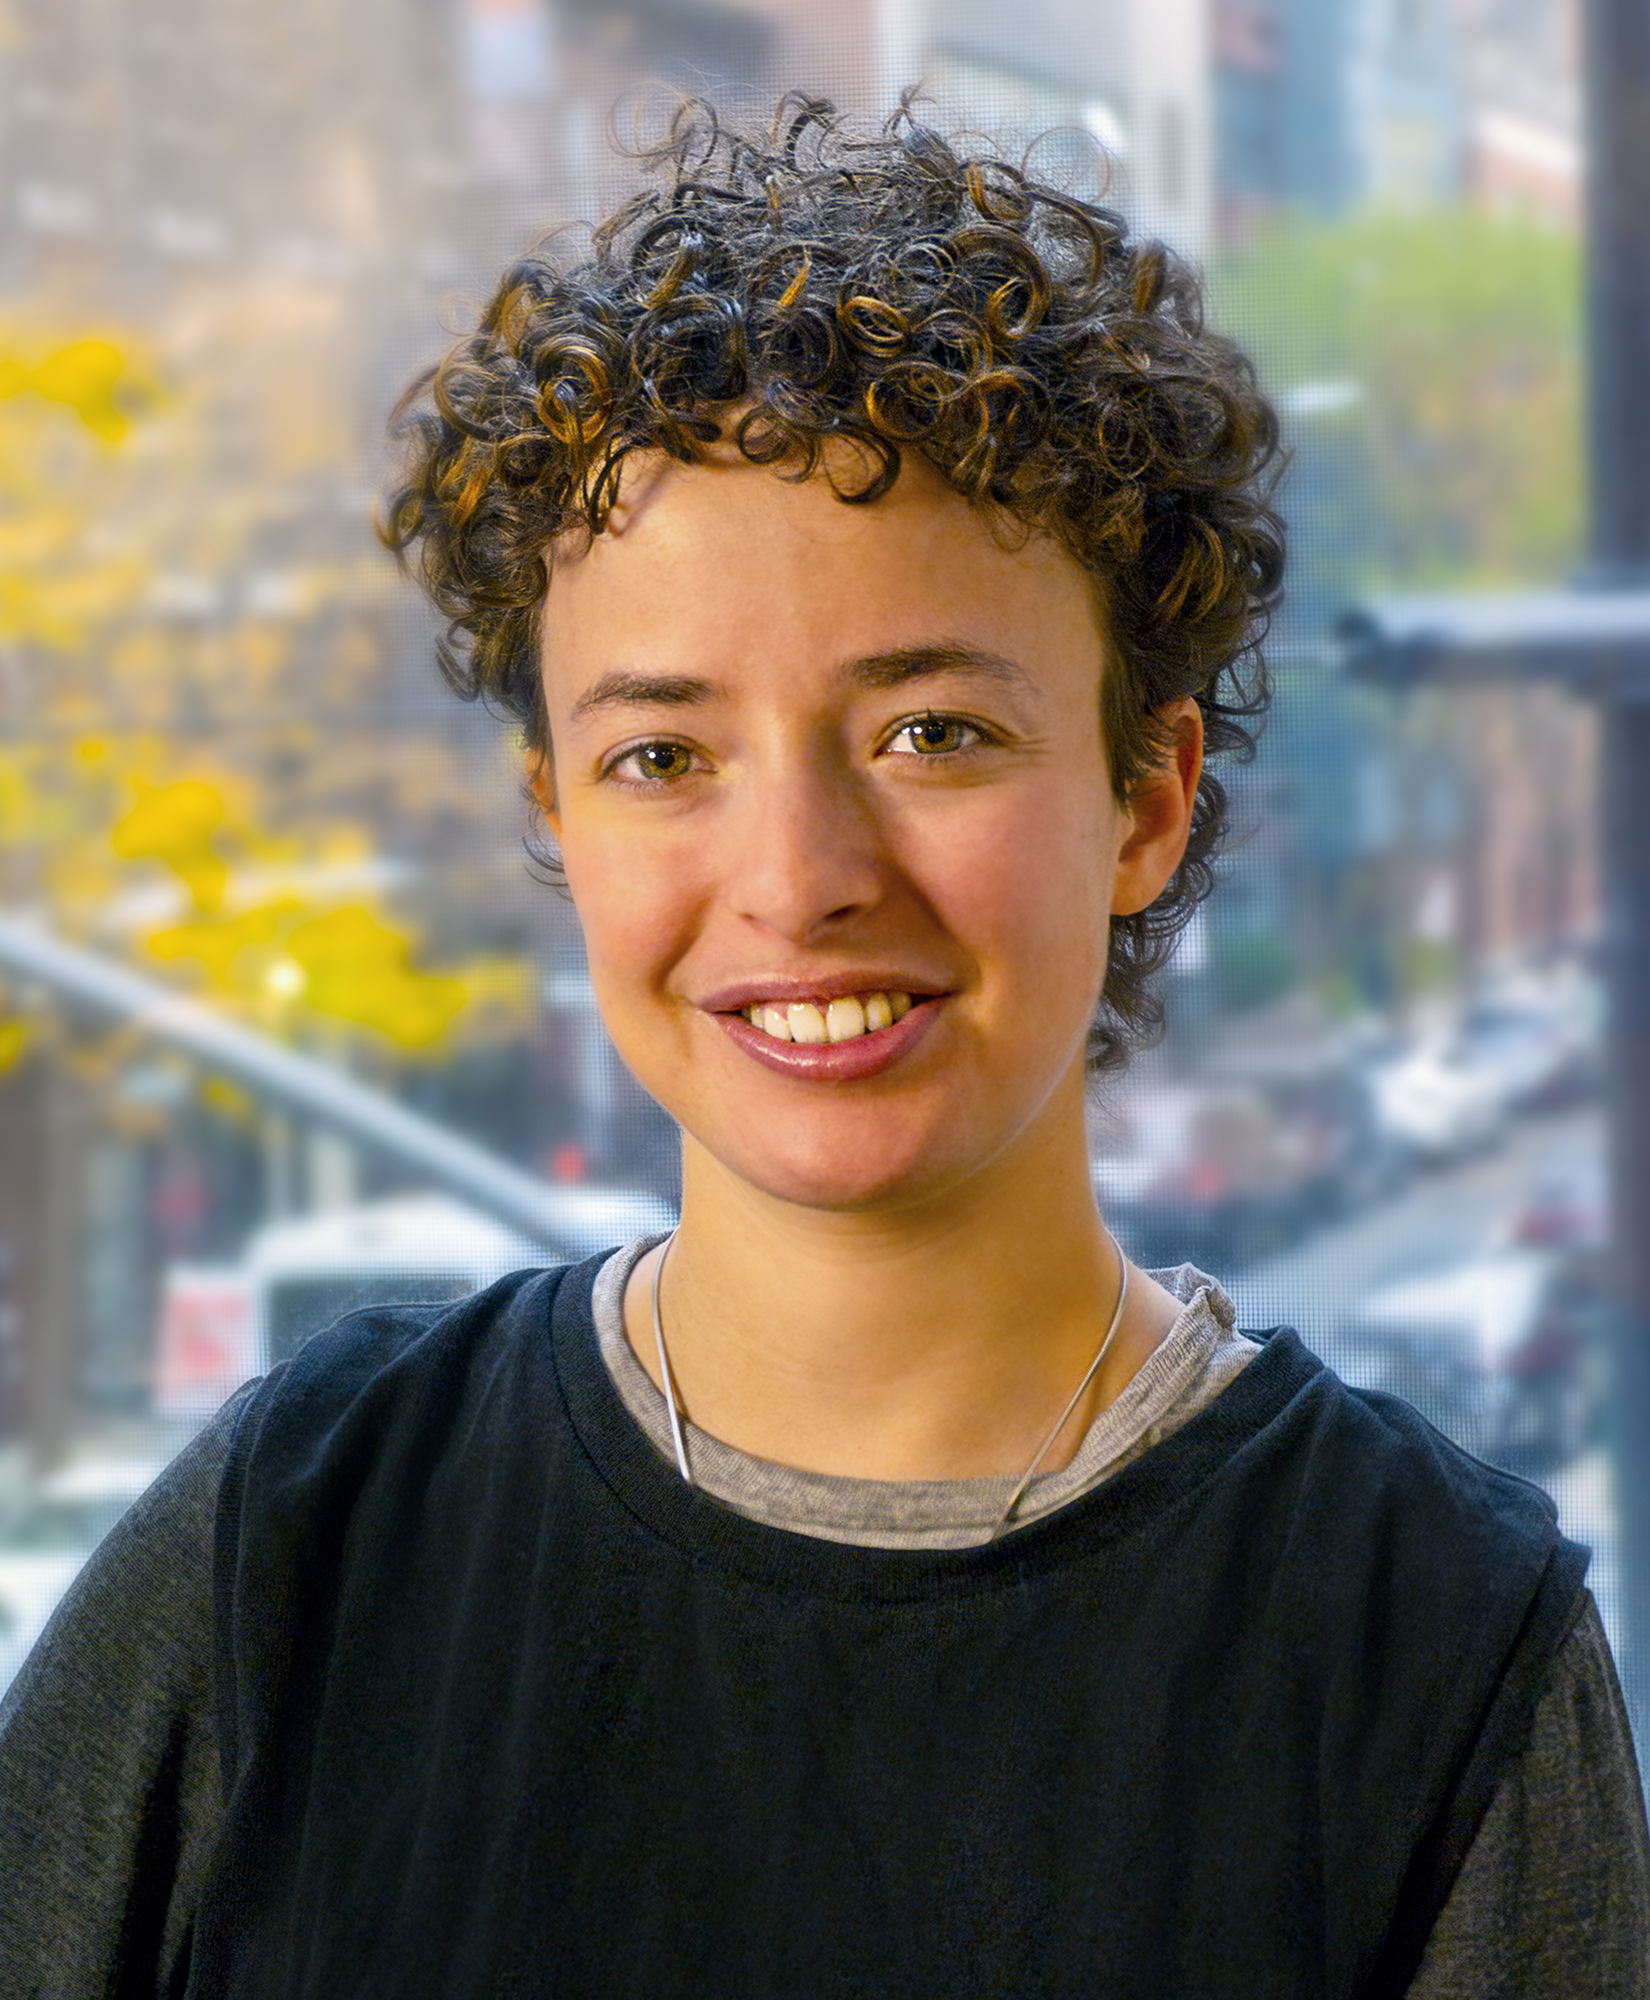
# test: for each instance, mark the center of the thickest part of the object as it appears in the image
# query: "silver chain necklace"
(679, 1441)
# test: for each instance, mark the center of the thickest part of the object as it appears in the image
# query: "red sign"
(205, 1349)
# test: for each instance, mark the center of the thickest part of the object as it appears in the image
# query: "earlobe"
(1159, 818)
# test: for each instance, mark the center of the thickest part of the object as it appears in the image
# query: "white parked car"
(1539, 1053)
(1504, 1352)
(222, 1324)
(1482, 1309)
(1438, 1102)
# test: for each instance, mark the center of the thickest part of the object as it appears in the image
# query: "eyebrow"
(628, 690)
(913, 663)
(874, 672)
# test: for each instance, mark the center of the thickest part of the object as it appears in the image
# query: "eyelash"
(982, 736)
(613, 769)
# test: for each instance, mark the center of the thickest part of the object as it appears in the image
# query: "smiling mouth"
(842, 1020)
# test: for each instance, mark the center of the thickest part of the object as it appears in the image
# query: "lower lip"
(834, 1062)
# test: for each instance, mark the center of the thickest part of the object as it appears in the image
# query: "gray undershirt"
(109, 1784)
(1197, 1358)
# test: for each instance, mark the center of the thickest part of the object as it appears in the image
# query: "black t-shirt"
(507, 1709)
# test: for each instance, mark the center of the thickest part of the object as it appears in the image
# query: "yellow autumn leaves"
(134, 587)
(82, 375)
(359, 969)
(63, 574)
(174, 824)
(344, 962)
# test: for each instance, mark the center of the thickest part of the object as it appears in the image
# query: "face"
(841, 768)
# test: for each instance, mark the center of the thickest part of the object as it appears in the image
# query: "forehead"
(733, 565)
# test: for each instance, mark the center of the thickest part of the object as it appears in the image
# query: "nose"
(810, 854)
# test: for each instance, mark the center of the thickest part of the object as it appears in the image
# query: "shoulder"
(382, 1360)
(345, 1356)
(1366, 1465)
(1389, 1542)
(127, 1621)
(110, 1797)
(383, 1390)
(1412, 1601)
(338, 1453)
(1553, 1897)
(1477, 1518)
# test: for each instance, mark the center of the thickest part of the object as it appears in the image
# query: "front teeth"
(844, 1019)
(808, 1024)
(840, 1021)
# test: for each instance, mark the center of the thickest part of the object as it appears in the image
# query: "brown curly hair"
(812, 286)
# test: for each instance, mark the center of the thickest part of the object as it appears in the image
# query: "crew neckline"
(705, 1532)
(1196, 1361)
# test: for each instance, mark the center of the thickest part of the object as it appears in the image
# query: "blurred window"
(228, 766)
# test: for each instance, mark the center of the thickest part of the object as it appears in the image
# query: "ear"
(541, 783)
(1158, 818)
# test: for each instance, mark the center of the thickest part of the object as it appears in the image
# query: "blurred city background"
(286, 1021)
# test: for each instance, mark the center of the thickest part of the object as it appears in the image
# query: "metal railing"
(29, 953)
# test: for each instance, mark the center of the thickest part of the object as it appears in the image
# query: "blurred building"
(1523, 122)
(1440, 845)
(1326, 105)
(1132, 76)
(1323, 104)
(547, 82)
(253, 222)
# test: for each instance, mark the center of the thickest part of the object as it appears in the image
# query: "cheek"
(1027, 884)
(633, 908)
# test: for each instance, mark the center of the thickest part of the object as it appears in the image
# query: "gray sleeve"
(109, 1799)
(1553, 1899)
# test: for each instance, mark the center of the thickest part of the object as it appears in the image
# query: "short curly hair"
(810, 286)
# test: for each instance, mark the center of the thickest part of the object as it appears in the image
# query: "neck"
(938, 1340)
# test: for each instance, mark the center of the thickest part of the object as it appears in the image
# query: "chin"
(844, 1194)
(844, 1178)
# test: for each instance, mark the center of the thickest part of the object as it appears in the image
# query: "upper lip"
(743, 993)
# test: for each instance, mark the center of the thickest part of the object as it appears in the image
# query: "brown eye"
(934, 736)
(654, 763)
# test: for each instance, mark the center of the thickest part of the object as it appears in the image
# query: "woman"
(878, 1586)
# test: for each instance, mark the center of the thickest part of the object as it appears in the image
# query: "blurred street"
(1440, 1220)
(1449, 1220)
